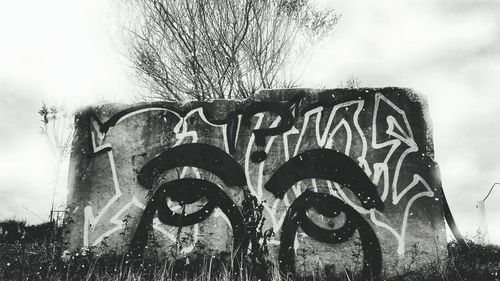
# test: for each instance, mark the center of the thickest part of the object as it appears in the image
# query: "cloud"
(19, 113)
(63, 50)
(26, 163)
(27, 174)
(57, 50)
(447, 50)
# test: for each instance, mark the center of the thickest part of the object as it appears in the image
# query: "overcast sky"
(64, 52)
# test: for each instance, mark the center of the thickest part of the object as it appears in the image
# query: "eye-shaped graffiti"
(329, 165)
(328, 206)
(189, 190)
(366, 154)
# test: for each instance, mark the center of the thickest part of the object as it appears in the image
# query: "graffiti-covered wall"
(345, 178)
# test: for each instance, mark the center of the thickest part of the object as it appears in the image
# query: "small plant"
(254, 223)
(26, 259)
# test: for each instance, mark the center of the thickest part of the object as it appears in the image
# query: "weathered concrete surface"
(384, 169)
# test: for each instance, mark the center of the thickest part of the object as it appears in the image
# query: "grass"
(33, 253)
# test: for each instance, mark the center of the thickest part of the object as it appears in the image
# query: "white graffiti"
(393, 191)
(406, 137)
(325, 139)
(182, 134)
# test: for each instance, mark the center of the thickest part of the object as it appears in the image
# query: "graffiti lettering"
(286, 119)
(363, 153)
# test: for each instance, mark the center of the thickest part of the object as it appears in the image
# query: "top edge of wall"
(278, 94)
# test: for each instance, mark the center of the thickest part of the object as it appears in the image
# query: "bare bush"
(205, 49)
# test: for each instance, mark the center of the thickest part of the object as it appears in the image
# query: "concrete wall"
(346, 178)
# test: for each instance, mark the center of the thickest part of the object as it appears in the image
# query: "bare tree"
(57, 128)
(213, 49)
